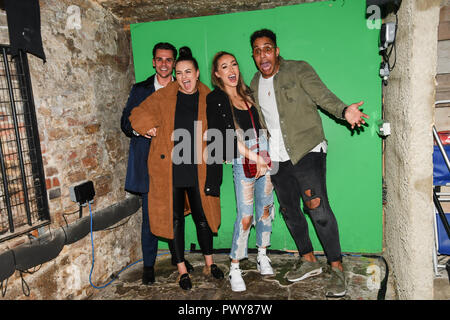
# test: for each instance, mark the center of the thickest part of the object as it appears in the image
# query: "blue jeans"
(251, 195)
(149, 241)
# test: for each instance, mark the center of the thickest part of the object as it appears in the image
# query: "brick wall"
(79, 95)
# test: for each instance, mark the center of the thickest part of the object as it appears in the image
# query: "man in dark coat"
(137, 179)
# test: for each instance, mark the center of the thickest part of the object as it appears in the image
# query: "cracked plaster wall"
(409, 107)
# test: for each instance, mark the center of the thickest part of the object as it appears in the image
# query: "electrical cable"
(93, 259)
(387, 55)
(393, 47)
(383, 284)
(25, 285)
(115, 227)
(46, 247)
(3, 290)
(31, 272)
(70, 213)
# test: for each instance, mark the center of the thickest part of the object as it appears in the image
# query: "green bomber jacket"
(298, 92)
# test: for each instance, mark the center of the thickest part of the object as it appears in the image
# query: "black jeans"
(204, 233)
(307, 180)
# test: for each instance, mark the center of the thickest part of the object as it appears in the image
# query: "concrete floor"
(363, 274)
(441, 281)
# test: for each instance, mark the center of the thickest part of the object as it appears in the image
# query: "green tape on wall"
(334, 38)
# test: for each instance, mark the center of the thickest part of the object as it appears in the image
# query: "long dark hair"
(242, 90)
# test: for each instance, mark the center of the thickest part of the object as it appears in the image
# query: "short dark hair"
(165, 46)
(263, 33)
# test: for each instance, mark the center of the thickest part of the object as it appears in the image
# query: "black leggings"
(204, 233)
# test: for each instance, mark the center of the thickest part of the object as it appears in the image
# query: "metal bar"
(6, 190)
(44, 212)
(17, 133)
(25, 231)
(32, 138)
(441, 213)
(441, 147)
(5, 187)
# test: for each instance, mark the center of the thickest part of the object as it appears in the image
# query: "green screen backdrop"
(334, 38)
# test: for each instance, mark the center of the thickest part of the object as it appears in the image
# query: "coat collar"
(150, 82)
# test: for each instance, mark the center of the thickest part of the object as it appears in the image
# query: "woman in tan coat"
(175, 118)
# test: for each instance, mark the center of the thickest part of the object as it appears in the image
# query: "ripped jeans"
(251, 194)
(307, 180)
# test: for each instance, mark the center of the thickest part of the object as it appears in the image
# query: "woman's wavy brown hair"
(243, 91)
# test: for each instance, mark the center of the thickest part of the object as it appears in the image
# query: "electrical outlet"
(383, 128)
(82, 193)
(387, 34)
(384, 70)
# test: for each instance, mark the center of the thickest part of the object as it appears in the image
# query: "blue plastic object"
(443, 240)
(441, 173)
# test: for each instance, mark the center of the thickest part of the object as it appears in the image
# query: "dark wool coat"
(158, 110)
(137, 178)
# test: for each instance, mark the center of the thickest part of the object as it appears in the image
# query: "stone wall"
(79, 95)
(135, 11)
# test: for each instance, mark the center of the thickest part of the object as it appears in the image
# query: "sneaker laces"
(235, 274)
(263, 257)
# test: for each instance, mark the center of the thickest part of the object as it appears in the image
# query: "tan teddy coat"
(158, 110)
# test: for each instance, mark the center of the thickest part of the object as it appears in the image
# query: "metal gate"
(23, 194)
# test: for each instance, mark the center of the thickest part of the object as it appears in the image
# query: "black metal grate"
(23, 194)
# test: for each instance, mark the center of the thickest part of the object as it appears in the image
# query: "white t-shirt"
(266, 97)
(157, 85)
(268, 103)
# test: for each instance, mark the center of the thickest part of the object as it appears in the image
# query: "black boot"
(185, 282)
(148, 275)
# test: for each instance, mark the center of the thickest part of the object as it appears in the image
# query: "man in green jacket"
(287, 93)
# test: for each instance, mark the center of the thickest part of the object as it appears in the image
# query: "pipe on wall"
(48, 246)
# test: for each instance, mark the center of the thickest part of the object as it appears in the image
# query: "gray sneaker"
(304, 269)
(337, 286)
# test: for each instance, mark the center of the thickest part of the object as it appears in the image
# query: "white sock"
(234, 265)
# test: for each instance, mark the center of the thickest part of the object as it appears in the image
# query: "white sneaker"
(236, 281)
(263, 265)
